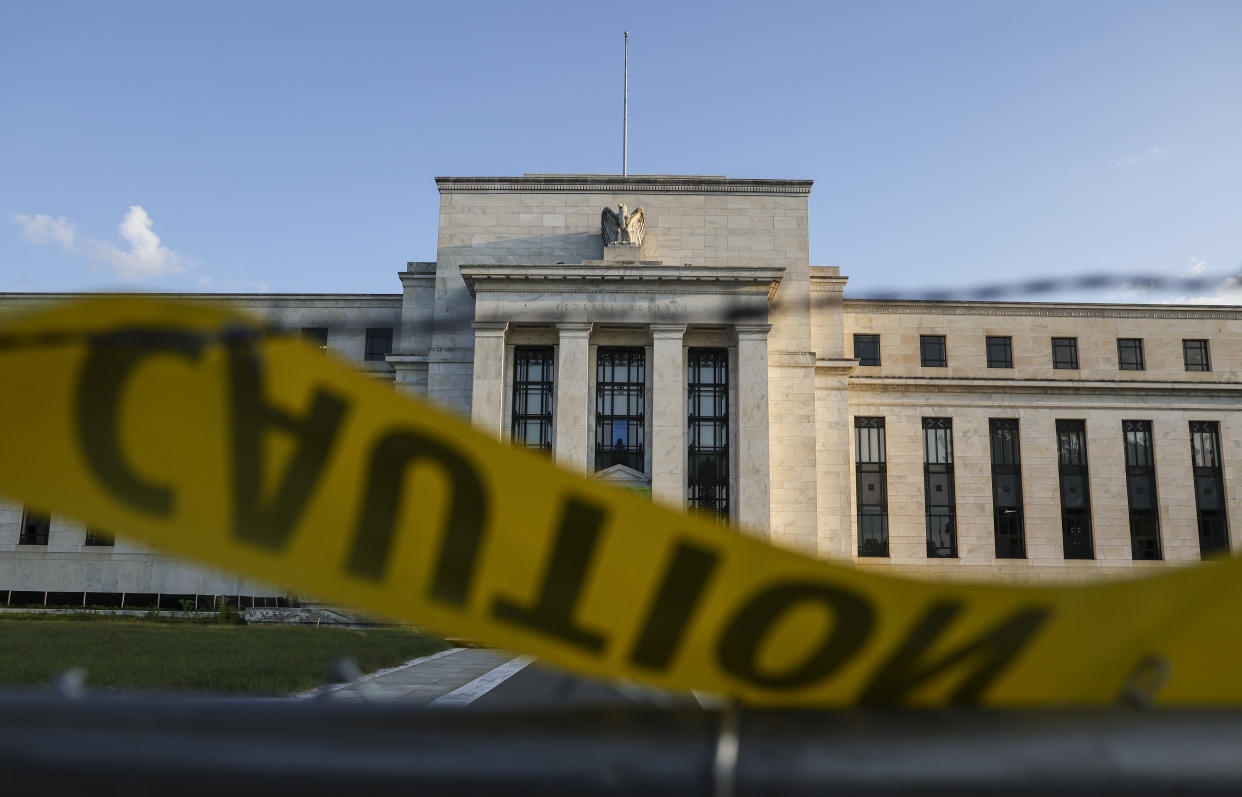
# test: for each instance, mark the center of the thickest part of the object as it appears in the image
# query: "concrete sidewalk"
(421, 680)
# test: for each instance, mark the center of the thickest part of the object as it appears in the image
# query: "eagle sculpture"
(623, 228)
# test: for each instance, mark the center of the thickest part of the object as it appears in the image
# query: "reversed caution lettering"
(297, 471)
(110, 360)
(561, 586)
(269, 524)
(977, 662)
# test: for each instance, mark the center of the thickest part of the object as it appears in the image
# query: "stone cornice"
(1000, 386)
(386, 300)
(615, 184)
(579, 277)
(1042, 309)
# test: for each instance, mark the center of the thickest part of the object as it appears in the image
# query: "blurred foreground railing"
(236, 748)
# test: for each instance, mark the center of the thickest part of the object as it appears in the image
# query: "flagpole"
(625, 113)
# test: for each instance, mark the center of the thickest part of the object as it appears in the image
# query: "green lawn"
(139, 654)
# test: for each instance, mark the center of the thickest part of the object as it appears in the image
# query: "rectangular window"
(379, 343)
(1130, 354)
(1000, 352)
(871, 473)
(1007, 489)
(1141, 487)
(35, 526)
(867, 349)
(99, 538)
(620, 407)
(316, 336)
(1075, 490)
(938, 488)
(1209, 487)
(1195, 353)
(708, 423)
(1065, 353)
(533, 389)
(933, 351)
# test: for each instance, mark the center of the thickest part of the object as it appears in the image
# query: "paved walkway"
(461, 676)
(449, 675)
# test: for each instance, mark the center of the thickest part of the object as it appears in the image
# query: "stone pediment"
(622, 475)
(630, 277)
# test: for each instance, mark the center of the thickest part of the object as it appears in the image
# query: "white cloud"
(145, 256)
(43, 229)
(1227, 291)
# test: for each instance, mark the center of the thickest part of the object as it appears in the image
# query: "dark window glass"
(97, 537)
(1000, 352)
(1065, 352)
(533, 388)
(708, 424)
(1130, 354)
(316, 336)
(35, 526)
(1075, 490)
(620, 407)
(938, 487)
(872, 477)
(867, 349)
(1007, 489)
(1141, 489)
(1209, 487)
(1195, 352)
(379, 343)
(933, 351)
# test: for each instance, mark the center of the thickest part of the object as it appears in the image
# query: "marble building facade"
(710, 363)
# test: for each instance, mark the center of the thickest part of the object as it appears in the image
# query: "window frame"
(606, 392)
(316, 336)
(42, 521)
(1208, 470)
(1077, 532)
(940, 341)
(1145, 544)
(375, 334)
(1015, 517)
(98, 538)
(1065, 344)
(938, 462)
(1004, 341)
(1139, 364)
(872, 460)
(521, 416)
(864, 362)
(708, 495)
(1200, 367)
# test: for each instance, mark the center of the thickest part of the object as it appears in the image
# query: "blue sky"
(292, 146)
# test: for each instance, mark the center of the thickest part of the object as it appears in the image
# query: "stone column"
(668, 415)
(753, 462)
(487, 392)
(573, 401)
(833, 466)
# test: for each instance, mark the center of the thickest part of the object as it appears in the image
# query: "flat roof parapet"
(635, 183)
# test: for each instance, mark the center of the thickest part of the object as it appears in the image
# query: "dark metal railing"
(240, 747)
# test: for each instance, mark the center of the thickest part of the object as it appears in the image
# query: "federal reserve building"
(669, 334)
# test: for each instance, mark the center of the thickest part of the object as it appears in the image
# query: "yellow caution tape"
(190, 428)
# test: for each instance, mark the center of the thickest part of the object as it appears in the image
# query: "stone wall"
(701, 221)
(903, 393)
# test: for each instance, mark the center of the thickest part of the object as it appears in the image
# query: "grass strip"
(125, 654)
